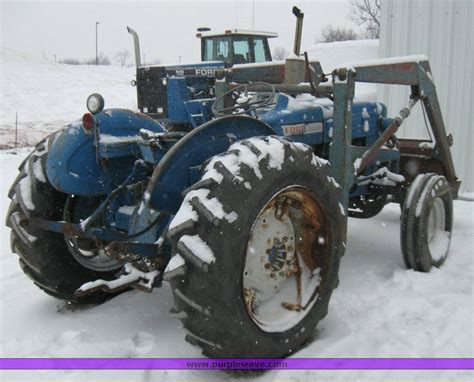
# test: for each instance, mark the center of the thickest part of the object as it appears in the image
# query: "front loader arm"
(413, 71)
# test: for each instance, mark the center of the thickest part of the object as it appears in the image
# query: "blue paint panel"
(173, 173)
(178, 94)
(122, 123)
(365, 119)
(74, 163)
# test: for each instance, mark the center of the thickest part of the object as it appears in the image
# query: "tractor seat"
(239, 59)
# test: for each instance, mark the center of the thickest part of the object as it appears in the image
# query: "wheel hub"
(271, 257)
(88, 252)
(281, 276)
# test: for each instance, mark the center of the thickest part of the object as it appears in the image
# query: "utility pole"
(96, 46)
(253, 14)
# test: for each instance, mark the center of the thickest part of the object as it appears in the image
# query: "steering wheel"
(243, 101)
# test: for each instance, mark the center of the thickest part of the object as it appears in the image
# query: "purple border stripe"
(241, 363)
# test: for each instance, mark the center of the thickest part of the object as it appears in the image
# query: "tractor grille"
(152, 91)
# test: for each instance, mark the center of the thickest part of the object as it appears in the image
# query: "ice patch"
(130, 275)
(185, 213)
(439, 245)
(379, 108)
(414, 187)
(273, 149)
(25, 191)
(366, 126)
(365, 113)
(199, 248)
(341, 208)
(38, 170)
(175, 262)
(212, 204)
(305, 101)
(108, 139)
(381, 177)
(126, 210)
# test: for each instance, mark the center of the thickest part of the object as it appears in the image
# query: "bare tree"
(280, 53)
(122, 57)
(70, 61)
(331, 33)
(366, 13)
(102, 60)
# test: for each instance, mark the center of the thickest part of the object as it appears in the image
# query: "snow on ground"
(379, 310)
(48, 95)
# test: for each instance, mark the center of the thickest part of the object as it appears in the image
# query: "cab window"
(241, 51)
(259, 49)
(217, 49)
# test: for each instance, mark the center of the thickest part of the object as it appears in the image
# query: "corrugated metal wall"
(444, 31)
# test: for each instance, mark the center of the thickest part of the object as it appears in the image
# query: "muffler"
(136, 46)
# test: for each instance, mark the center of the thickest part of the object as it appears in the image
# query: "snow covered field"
(47, 95)
(379, 310)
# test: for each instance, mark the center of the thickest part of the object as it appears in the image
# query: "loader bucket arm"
(413, 71)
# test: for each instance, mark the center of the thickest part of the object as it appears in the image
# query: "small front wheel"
(427, 222)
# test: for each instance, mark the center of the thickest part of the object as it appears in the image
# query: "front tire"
(427, 222)
(259, 209)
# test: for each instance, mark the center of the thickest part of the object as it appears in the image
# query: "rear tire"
(43, 255)
(427, 222)
(213, 237)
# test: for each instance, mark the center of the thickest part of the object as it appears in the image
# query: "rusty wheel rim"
(87, 252)
(282, 272)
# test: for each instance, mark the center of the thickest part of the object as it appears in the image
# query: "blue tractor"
(234, 184)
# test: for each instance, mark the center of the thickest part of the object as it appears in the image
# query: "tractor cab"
(235, 46)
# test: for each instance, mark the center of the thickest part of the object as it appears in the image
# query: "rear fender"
(78, 162)
(172, 174)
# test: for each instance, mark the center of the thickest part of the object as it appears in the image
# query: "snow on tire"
(427, 222)
(43, 255)
(262, 220)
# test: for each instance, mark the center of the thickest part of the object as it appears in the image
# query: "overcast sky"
(167, 29)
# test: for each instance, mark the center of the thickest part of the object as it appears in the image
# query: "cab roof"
(230, 32)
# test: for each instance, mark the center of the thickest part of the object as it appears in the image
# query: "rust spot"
(309, 225)
(115, 247)
(69, 230)
(289, 306)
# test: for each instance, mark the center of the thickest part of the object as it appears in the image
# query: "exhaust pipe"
(136, 46)
(299, 30)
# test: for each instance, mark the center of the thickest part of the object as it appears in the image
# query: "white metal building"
(444, 31)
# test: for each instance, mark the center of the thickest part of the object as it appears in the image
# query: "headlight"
(95, 103)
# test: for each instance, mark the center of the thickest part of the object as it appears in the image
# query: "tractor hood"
(205, 68)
